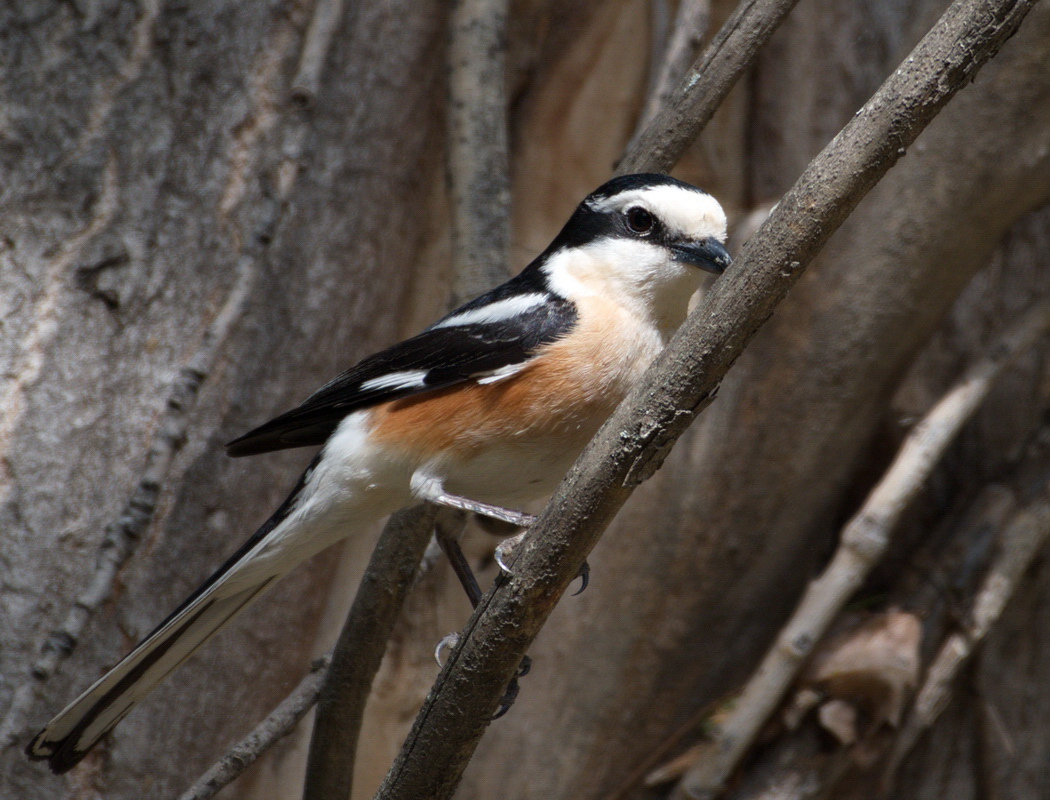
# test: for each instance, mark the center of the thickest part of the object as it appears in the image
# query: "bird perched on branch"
(485, 409)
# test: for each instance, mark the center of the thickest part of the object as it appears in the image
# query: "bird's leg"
(429, 488)
(449, 545)
(517, 518)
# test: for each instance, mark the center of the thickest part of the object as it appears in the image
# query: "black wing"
(439, 357)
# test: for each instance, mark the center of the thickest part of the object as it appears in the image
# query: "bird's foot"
(505, 551)
(449, 641)
(510, 694)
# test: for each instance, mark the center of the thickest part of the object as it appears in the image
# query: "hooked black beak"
(710, 255)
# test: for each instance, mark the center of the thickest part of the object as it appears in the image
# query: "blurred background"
(186, 250)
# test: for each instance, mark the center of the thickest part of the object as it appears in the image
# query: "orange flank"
(568, 390)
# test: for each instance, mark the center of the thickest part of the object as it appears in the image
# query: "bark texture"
(150, 154)
(154, 170)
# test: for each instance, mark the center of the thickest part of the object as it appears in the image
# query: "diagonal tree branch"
(690, 107)
(631, 446)
(278, 724)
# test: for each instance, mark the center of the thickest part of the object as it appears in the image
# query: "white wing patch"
(406, 379)
(499, 311)
(503, 372)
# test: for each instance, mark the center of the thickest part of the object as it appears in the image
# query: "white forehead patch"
(693, 214)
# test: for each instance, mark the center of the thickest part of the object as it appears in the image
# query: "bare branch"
(1020, 542)
(390, 575)
(280, 722)
(687, 32)
(476, 149)
(800, 756)
(307, 80)
(862, 543)
(691, 106)
(799, 762)
(631, 446)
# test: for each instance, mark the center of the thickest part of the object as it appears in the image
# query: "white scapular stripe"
(495, 312)
(503, 372)
(407, 379)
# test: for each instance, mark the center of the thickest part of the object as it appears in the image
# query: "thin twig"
(631, 446)
(307, 81)
(390, 575)
(690, 107)
(280, 722)
(1019, 543)
(476, 151)
(863, 541)
(687, 32)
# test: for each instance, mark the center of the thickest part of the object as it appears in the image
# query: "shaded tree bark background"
(153, 163)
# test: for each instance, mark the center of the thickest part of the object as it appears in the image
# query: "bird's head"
(648, 237)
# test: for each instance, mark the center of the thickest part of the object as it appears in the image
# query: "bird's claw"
(585, 577)
(505, 549)
(509, 696)
(449, 641)
(511, 692)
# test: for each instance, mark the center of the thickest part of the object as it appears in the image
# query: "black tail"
(69, 736)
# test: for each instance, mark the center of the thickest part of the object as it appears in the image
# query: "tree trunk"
(153, 164)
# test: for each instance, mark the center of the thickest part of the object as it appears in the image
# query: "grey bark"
(144, 149)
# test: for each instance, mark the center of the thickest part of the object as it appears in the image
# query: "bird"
(484, 410)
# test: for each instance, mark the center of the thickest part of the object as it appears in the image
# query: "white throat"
(639, 276)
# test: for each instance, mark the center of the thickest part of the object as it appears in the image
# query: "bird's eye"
(639, 220)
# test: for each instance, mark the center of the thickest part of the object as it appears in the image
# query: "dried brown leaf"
(876, 665)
